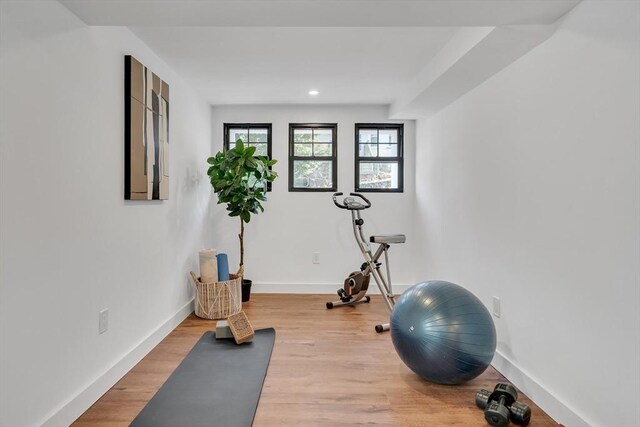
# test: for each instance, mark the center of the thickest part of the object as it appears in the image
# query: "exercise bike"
(354, 290)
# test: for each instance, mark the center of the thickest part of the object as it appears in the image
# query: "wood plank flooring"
(328, 368)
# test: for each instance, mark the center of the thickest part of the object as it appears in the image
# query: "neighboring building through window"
(379, 157)
(313, 157)
(252, 134)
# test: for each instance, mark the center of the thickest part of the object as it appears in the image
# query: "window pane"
(388, 150)
(368, 150)
(302, 135)
(261, 149)
(379, 175)
(258, 135)
(312, 174)
(322, 150)
(236, 134)
(388, 135)
(368, 135)
(322, 135)
(302, 150)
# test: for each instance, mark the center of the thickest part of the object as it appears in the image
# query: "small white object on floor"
(223, 330)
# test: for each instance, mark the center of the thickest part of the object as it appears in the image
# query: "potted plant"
(240, 180)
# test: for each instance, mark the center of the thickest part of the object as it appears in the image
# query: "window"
(379, 162)
(253, 134)
(313, 157)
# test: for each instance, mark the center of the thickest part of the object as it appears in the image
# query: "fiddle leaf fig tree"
(240, 180)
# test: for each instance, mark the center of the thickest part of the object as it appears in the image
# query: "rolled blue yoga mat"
(223, 267)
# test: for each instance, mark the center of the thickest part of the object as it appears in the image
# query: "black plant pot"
(246, 290)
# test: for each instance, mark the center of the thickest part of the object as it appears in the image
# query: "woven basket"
(218, 300)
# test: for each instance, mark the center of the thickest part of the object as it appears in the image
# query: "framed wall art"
(146, 136)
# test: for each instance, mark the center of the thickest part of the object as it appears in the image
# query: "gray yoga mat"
(217, 384)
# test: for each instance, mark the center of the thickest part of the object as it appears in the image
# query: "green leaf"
(253, 162)
(249, 152)
(239, 147)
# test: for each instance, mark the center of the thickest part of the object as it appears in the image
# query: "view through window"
(379, 157)
(313, 157)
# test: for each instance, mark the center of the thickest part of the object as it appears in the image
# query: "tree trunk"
(241, 237)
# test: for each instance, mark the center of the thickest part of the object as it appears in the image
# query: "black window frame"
(248, 127)
(399, 158)
(333, 158)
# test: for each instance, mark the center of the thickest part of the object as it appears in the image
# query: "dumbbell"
(501, 405)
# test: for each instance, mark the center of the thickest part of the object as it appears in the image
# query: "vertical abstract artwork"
(146, 135)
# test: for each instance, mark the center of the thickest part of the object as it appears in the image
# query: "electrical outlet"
(316, 257)
(496, 306)
(103, 321)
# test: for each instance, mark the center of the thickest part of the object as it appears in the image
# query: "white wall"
(528, 189)
(279, 242)
(70, 244)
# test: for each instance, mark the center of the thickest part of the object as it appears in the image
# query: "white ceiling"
(352, 51)
(252, 65)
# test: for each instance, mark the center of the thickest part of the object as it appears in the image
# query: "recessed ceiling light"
(313, 92)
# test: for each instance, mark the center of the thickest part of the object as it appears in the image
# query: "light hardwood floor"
(328, 368)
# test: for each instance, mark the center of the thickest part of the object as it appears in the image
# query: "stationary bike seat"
(388, 238)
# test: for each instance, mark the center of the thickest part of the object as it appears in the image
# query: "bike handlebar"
(350, 203)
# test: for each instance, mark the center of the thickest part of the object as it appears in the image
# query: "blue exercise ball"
(443, 332)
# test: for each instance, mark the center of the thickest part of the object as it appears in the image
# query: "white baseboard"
(549, 403)
(76, 406)
(314, 288)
